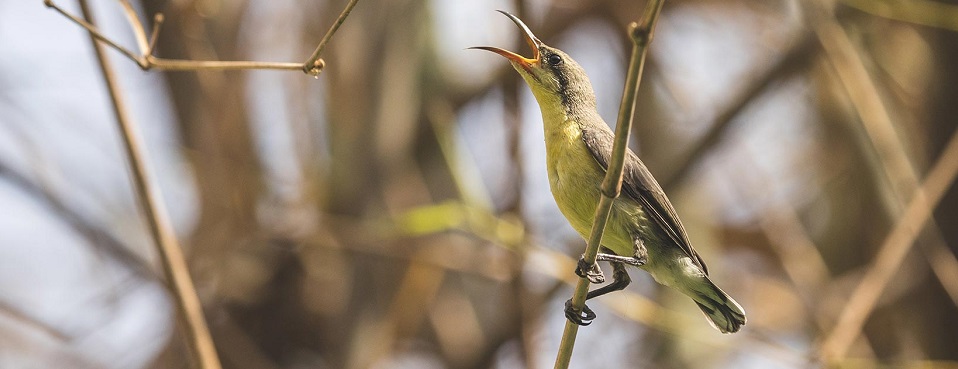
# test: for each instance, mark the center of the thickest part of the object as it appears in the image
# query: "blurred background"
(395, 211)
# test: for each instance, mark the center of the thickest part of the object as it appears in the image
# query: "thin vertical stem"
(641, 35)
(174, 264)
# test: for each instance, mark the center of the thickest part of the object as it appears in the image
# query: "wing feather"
(638, 184)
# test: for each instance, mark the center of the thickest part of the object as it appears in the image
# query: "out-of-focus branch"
(795, 59)
(921, 12)
(171, 255)
(892, 252)
(634, 307)
(504, 232)
(895, 167)
(641, 34)
(95, 236)
(19, 315)
(789, 241)
(145, 59)
(465, 175)
(863, 93)
(139, 32)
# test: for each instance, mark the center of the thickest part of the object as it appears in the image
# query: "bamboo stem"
(641, 35)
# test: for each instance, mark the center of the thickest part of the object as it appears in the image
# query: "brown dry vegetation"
(388, 214)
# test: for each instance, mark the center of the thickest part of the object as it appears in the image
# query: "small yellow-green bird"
(643, 229)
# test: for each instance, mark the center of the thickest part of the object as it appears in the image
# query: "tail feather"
(722, 311)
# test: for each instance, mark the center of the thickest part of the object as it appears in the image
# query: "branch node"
(639, 34)
(146, 61)
(314, 64)
(315, 68)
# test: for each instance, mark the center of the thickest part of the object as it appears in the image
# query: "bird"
(643, 230)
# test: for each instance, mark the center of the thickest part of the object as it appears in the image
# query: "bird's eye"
(554, 59)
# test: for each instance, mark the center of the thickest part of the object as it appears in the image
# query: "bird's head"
(551, 74)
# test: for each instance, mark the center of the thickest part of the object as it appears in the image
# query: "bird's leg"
(592, 272)
(633, 261)
(620, 279)
(639, 257)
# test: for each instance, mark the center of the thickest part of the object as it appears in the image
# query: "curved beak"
(531, 39)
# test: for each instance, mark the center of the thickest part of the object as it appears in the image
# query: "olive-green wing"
(638, 184)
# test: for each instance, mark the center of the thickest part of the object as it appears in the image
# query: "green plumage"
(643, 227)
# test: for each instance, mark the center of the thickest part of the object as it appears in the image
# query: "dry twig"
(171, 255)
(145, 59)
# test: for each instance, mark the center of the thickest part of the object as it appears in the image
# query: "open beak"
(531, 39)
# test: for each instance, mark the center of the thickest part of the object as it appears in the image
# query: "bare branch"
(188, 65)
(95, 33)
(138, 31)
(157, 24)
(314, 64)
(16, 314)
(171, 255)
(147, 61)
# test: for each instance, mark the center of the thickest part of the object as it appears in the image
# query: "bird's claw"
(592, 272)
(582, 318)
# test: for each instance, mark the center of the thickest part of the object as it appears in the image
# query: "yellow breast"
(575, 177)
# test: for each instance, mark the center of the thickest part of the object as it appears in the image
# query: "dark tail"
(722, 311)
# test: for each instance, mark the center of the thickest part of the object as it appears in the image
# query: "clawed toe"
(583, 318)
(592, 272)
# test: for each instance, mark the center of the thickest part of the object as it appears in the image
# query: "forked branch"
(146, 60)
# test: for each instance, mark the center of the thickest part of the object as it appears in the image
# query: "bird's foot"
(582, 318)
(592, 272)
